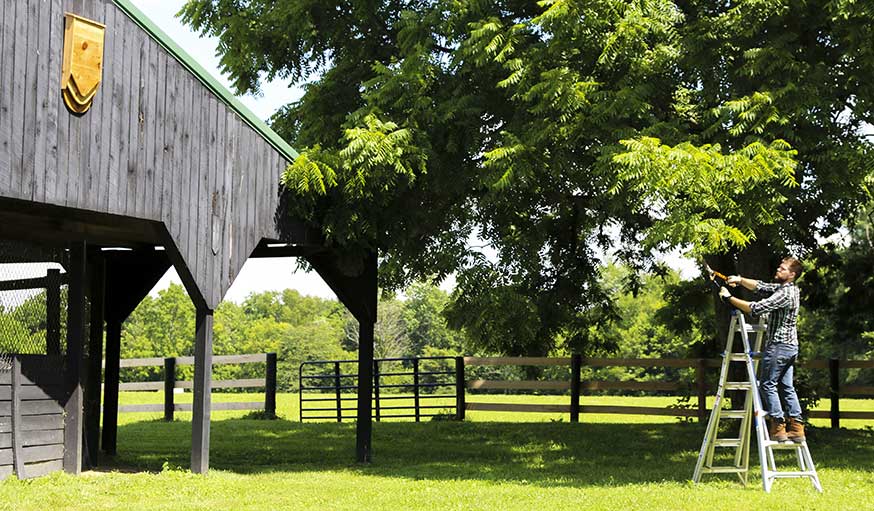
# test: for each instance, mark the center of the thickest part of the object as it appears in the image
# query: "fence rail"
(169, 364)
(834, 366)
(331, 378)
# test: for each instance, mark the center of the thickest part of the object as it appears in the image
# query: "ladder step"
(738, 357)
(786, 475)
(733, 414)
(727, 442)
(723, 470)
(737, 385)
(771, 444)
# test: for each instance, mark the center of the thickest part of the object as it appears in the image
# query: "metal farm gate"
(409, 387)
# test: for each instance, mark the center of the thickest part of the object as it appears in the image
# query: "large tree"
(536, 129)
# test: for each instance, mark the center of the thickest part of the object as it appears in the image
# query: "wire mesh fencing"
(33, 294)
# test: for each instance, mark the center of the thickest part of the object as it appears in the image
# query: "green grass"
(491, 461)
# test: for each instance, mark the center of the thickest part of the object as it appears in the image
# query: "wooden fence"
(699, 385)
(170, 383)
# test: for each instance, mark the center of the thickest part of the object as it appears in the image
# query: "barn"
(119, 157)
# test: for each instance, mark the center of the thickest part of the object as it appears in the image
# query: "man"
(781, 303)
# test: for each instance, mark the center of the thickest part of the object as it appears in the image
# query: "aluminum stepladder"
(752, 412)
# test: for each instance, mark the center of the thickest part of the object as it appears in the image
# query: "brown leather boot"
(777, 431)
(795, 430)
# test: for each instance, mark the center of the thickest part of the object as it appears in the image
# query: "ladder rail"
(705, 455)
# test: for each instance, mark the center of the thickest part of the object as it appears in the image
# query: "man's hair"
(795, 266)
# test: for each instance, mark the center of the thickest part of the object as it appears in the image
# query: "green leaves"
(377, 155)
(530, 127)
(703, 197)
(310, 174)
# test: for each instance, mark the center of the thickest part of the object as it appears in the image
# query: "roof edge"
(207, 79)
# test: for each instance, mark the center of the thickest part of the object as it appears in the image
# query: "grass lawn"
(491, 461)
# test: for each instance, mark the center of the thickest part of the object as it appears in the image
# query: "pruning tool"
(714, 275)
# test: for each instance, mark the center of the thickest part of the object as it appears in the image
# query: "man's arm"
(750, 284)
(777, 300)
(737, 303)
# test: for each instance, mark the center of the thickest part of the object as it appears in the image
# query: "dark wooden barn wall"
(156, 144)
(42, 420)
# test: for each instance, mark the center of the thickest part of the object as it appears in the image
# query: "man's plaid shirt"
(781, 305)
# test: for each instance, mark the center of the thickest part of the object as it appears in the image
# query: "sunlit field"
(490, 461)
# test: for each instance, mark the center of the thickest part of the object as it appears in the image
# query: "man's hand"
(724, 294)
(734, 280)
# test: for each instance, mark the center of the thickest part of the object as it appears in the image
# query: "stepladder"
(744, 342)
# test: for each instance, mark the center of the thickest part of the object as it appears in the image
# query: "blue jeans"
(777, 371)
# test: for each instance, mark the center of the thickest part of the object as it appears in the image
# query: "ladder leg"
(755, 402)
(705, 455)
(814, 477)
(802, 463)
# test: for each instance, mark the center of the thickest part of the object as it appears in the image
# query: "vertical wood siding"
(156, 144)
(42, 422)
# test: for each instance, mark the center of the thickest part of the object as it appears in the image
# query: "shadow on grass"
(546, 454)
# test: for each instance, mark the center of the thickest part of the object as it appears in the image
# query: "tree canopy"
(506, 140)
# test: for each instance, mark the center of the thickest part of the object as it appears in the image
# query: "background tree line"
(652, 315)
(298, 328)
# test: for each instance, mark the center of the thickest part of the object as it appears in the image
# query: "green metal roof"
(207, 79)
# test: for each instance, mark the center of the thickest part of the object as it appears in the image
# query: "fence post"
(459, 388)
(376, 388)
(53, 312)
(834, 391)
(337, 389)
(300, 391)
(576, 368)
(416, 386)
(169, 385)
(15, 420)
(701, 385)
(270, 387)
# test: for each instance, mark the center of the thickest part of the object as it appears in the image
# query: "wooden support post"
(95, 362)
(576, 368)
(364, 424)
(416, 387)
(459, 389)
(376, 390)
(75, 336)
(17, 429)
(110, 386)
(701, 387)
(834, 366)
(338, 397)
(270, 387)
(169, 386)
(53, 312)
(202, 390)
